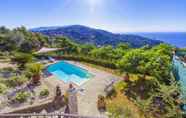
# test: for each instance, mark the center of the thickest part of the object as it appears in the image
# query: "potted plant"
(35, 70)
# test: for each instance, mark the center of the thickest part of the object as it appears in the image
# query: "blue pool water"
(69, 73)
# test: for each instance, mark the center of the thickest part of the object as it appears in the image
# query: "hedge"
(104, 63)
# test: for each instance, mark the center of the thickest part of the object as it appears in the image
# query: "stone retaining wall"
(47, 106)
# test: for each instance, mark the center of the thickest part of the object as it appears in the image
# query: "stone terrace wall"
(48, 106)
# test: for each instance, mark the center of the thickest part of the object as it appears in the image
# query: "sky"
(111, 15)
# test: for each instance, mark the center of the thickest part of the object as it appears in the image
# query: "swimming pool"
(69, 72)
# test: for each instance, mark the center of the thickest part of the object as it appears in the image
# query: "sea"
(177, 39)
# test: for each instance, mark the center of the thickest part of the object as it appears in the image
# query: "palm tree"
(35, 70)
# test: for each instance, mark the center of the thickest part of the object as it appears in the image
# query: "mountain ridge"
(99, 37)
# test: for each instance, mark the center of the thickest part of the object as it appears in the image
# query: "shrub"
(7, 72)
(22, 96)
(44, 92)
(3, 88)
(120, 86)
(118, 109)
(4, 55)
(104, 63)
(22, 59)
(16, 81)
(21, 80)
(9, 69)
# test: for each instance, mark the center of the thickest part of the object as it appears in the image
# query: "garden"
(151, 89)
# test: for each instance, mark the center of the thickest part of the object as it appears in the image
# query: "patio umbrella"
(45, 50)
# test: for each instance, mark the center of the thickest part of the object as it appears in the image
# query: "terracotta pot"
(36, 78)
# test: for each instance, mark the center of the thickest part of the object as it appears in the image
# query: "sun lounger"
(110, 85)
(81, 91)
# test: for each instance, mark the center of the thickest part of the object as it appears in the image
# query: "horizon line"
(32, 27)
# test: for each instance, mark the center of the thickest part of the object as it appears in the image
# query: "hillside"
(87, 35)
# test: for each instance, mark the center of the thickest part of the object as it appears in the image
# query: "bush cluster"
(22, 96)
(15, 81)
(99, 62)
(3, 87)
(44, 92)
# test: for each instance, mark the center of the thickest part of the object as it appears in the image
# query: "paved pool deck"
(87, 102)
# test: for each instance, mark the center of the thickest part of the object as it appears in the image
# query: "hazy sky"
(112, 15)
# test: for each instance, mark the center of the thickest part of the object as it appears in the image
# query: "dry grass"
(123, 105)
